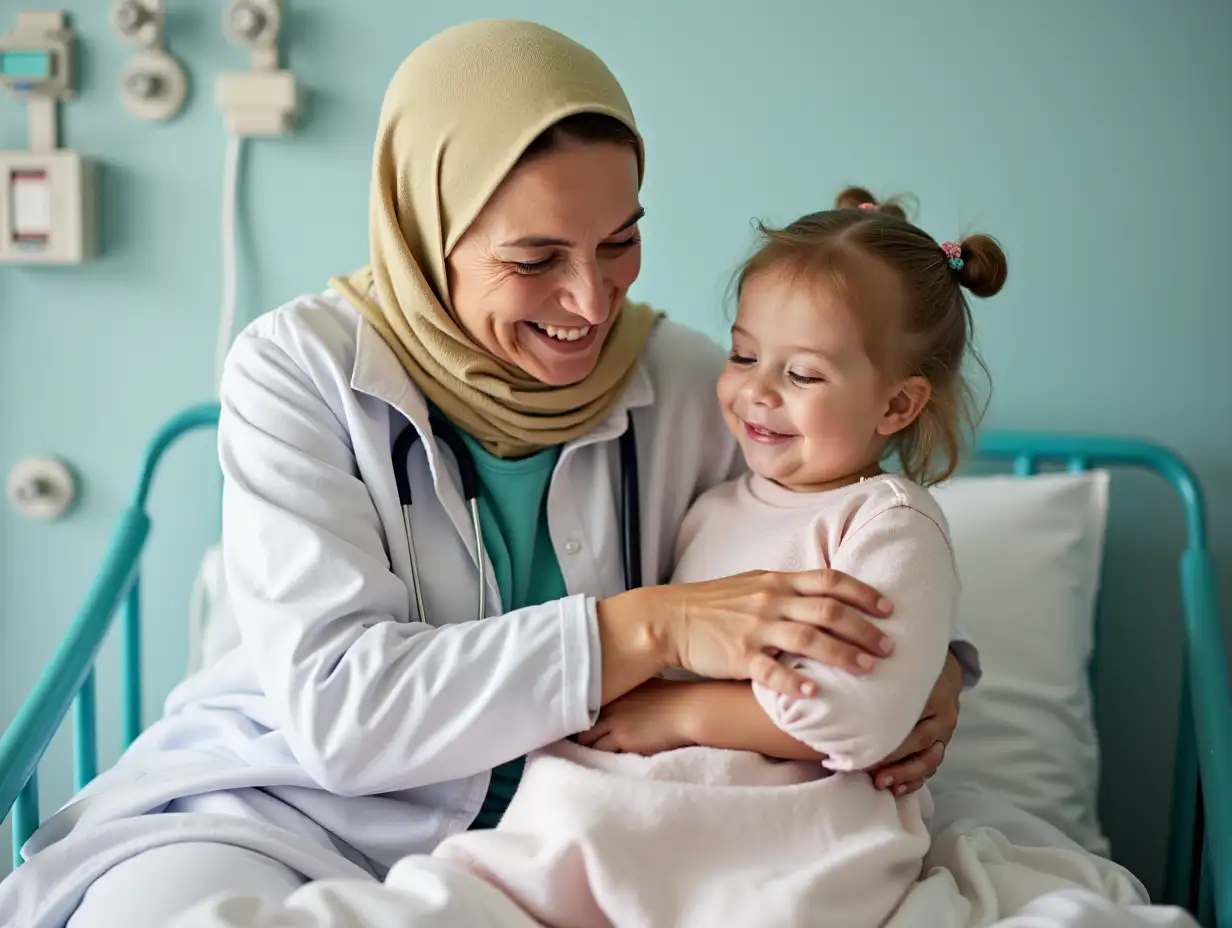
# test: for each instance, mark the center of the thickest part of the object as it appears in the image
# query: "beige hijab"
(456, 117)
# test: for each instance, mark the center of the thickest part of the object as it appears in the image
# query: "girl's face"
(800, 391)
(539, 277)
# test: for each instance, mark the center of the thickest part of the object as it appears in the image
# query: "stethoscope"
(444, 431)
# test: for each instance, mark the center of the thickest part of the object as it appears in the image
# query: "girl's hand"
(735, 628)
(920, 756)
(648, 720)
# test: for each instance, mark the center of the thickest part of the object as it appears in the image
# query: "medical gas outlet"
(153, 85)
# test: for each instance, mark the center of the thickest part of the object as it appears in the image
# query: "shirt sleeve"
(859, 719)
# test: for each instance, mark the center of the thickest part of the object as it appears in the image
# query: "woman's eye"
(532, 267)
(804, 379)
(740, 359)
(631, 241)
(527, 268)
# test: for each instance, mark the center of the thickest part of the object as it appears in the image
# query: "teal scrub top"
(514, 522)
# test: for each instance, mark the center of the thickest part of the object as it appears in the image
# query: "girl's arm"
(723, 714)
(662, 715)
(858, 720)
(855, 720)
(726, 714)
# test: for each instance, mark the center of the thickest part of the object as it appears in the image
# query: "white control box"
(257, 103)
(48, 212)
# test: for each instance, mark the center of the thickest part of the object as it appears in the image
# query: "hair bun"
(984, 266)
(861, 198)
(854, 198)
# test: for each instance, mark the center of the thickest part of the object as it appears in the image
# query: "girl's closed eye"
(803, 379)
(740, 359)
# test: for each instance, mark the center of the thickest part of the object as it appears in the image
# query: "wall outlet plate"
(72, 208)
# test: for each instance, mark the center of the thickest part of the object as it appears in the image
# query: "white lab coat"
(346, 731)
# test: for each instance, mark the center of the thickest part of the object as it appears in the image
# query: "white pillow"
(1029, 552)
(212, 631)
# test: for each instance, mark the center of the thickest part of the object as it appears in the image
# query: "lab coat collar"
(378, 373)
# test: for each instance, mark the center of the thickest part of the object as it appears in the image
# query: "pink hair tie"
(868, 206)
(953, 251)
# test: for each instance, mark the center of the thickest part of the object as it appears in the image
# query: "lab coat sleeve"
(368, 701)
(858, 720)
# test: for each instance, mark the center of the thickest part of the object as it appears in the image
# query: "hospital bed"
(1199, 864)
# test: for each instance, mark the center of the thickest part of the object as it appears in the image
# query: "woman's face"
(541, 273)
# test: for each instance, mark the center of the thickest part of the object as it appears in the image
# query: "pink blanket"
(698, 837)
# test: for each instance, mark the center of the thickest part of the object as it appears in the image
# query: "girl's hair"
(935, 315)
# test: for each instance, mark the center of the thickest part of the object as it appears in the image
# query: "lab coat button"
(572, 547)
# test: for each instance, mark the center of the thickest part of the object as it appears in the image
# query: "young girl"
(847, 350)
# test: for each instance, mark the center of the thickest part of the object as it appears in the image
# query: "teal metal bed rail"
(69, 679)
(1199, 875)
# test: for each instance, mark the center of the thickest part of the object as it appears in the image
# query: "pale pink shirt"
(886, 531)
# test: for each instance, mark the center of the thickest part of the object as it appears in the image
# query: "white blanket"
(587, 845)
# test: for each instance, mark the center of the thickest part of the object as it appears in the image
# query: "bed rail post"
(1207, 660)
(132, 661)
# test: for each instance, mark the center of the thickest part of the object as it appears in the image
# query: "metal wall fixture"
(153, 85)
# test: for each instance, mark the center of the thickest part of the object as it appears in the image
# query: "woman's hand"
(735, 628)
(648, 720)
(919, 757)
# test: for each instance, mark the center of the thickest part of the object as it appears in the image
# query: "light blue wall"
(1094, 139)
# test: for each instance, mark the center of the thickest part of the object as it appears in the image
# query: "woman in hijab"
(366, 714)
